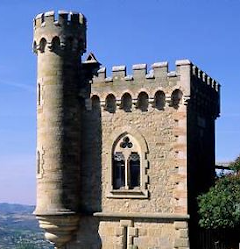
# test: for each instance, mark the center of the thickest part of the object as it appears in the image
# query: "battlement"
(62, 18)
(65, 32)
(202, 76)
(159, 85)
(159, 71)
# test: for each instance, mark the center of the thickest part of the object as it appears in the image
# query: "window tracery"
(128, 168)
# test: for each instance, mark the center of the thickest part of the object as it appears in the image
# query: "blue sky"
(119, 32)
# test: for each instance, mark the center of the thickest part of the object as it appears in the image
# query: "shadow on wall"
(91, 188)
(87, 236)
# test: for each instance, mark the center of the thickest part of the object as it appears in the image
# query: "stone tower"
(59, 45)
(129, 153)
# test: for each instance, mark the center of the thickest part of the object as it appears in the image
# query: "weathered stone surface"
(169, 117)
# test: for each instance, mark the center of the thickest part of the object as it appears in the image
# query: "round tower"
(59, 44)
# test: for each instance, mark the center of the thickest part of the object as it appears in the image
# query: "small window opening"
(126, 102)
(39, 94)
(118, 170)
(176, 98)
(38, 162)
(159, 100)
(69, 43)
(110, 103)
(42, 18)
(96, 103)
(55, 43)
(43, 44)
(134, 168)
(143, 102)
(125, 237)
(34, 47)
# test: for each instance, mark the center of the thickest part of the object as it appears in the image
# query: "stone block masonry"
(118, 157)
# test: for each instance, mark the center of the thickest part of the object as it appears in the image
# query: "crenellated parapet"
(204, 78)
(205, 94)
(177, 86)
(65, 31)
(159, 70)
(140, 81)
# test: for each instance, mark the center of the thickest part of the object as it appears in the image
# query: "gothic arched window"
(126, 164)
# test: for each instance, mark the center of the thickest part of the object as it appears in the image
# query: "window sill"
(128, 194)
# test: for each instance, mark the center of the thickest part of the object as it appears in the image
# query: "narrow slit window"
(39, 94)
(38, 162)
(125, 237)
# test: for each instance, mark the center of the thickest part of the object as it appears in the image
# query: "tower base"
(59, 229)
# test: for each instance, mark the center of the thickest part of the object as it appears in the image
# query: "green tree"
(220, 206)
(235, 166)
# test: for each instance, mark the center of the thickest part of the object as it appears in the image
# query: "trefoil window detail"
(128, 165)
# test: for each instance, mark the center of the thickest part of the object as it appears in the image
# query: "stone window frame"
(126, 151)
(141, 192)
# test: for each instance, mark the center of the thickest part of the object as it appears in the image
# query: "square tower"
(148, 151)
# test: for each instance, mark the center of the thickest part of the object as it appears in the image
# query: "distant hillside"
(19, 228)
(6, 208)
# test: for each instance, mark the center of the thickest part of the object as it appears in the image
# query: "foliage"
(220, 206)
(25, 245)
(235, 166)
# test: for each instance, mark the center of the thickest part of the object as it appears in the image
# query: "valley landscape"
(19, 228)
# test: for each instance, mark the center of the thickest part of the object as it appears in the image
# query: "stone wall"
(166, 120)
(163, 131)
(131, 233)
